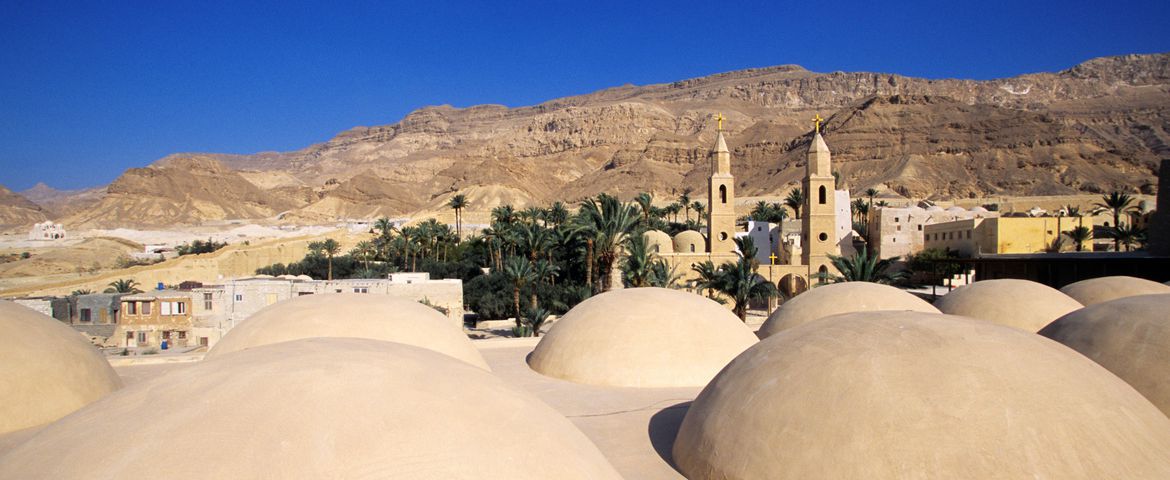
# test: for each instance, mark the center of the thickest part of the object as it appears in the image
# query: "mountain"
(62, 203)
(180, 190)
(17, 212)
(1096, 127)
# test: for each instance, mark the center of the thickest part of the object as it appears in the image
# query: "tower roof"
(720, 144)
(818, 144)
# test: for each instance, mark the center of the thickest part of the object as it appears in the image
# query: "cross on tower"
(719, 118)
(817, 121)
(773, 258)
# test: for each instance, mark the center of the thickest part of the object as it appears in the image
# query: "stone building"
(900, 231)
(147, 319)
(219, 308)
(824, 230)
(977, 236)
(47, 230)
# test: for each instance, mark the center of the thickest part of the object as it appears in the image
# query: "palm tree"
(364, 251)
(557, 214)
(536, 318)
(1127, 235)
(698, 207)
(1080, 235)
(518, 271)
(795, 201)
(384, 226)
(860, 210)
(504, 214)
(83, 291)
(708, 278)
(328, 247)
(1117, 203)
(637, 266)
(126, 285)
(871, 192)
(644, 200)
(458, 202)
(685, 201)
(740, 282)
(532, 214)
(862, 268)
(533, 239)
(609, 222)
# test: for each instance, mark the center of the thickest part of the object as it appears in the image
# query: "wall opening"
(821, 195)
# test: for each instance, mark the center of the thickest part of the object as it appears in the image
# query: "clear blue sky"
(88, 89)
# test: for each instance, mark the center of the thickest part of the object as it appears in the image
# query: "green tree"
(518, 271)
(795, 201)
(609, 222)
(536, 317)
(327, 248)
(1080, 235)
(739, 280)
(1116, 203)
(458, 203)
(123, 285)
(644, 201)
(557, 214)
(1128, 236)
(685, 201)
(862, 268)
(708, 278)
(83, 291)
(638, 264)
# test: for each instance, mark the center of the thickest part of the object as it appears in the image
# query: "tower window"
(821, 197)
(823, 236)
(723, 193)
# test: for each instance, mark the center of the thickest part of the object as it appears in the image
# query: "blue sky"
(88, 89)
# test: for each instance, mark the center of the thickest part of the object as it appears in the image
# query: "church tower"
(721, 198)
(819, 220)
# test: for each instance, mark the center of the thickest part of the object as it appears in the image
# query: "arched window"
(692, 248)
(821, 197)
(723, 193)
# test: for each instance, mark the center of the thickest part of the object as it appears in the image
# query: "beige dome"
(642, 337)
(689, 241)
(1129, 336)
(315, 408)
(894, 395)
(1104, 289)
(837, 298)
(1022, 304)
(357, 315)
(658, 241)
(47, 369)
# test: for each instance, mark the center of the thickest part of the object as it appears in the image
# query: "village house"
(151, 318)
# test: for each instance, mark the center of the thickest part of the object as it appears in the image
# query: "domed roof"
(934, 208)
(315, 408)
(1022, 304)
(684, 240)
(642, 337)
(837, 298)
(978, 210)
(48, 369)
(1104, 289)
(660, 239)
(358, 315)
(891, 395)
(957, 209)
(1129, 336)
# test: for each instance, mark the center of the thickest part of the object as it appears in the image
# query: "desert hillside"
(1096, 127)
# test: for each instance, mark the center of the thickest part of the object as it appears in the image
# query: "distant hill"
(17, 211)
(1097, 127)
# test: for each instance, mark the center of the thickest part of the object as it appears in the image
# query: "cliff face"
(1096, 127)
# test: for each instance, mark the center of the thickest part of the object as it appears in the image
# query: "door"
(130, 340)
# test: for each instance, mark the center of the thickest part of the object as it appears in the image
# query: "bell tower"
(721, 197)
(819, 222)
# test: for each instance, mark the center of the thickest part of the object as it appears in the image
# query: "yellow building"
(147, 319)
(976, 236)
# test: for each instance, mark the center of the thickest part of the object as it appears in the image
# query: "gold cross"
(719, 118)
(817, 120)
(773, 258)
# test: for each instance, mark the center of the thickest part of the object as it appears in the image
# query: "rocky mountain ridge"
(1098, 126)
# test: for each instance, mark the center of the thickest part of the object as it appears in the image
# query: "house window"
(207, 301)
(301, 294)
(968, 234)
(821, 195)
(180, 308)
(86, 315)
(142, 338)
(920, 228)
(165, 308)
(899, 228)
(239, 297)
(692, 248)
(146, 308)
(896, 220)
(131, 308)
(182, 335)
(361, 290)
(723, 193)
